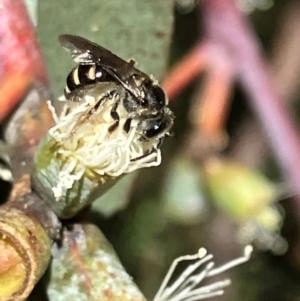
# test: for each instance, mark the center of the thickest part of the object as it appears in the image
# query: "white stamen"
(52, 110)
(185, 287)
(85, 142)
(247, 253)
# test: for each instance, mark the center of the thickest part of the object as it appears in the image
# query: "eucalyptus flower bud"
(79, 158)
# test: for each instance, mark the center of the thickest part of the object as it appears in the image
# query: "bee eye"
(155, 97)
(155, 130)
(154, 127)
(160, 97)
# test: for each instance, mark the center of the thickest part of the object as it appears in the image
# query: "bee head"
(155, 98)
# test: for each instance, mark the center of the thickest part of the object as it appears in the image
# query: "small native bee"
(105, 75)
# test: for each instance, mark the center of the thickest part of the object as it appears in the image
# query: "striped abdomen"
(83, 75)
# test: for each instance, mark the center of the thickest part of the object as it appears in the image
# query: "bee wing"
(84, 51)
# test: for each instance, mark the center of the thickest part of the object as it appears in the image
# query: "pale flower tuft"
(86, 145)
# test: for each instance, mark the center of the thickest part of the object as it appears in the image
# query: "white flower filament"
(86, 143)
(185, 287)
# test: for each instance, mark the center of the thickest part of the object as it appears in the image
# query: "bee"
(104, 75)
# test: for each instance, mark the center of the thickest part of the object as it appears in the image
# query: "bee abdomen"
(83, 75)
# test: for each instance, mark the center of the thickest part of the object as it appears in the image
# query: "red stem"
(226, 26)
(214, 97)
(187, 70)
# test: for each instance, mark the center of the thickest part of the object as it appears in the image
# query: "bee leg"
(115, 116)
(127, 125)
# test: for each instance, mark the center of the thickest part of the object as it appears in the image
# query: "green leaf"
(131, 29)
(116, 198)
